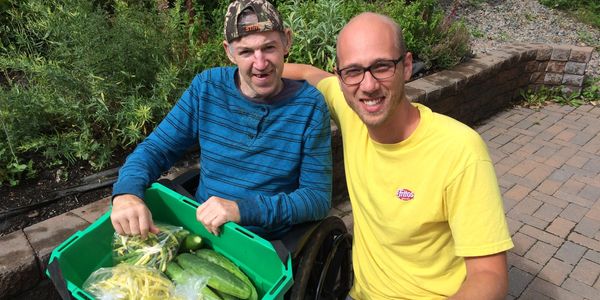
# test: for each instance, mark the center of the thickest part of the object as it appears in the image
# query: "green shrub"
(81, 82)
(315, 25)
(433, 37)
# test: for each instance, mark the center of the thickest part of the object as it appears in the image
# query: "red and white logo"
(405, 195)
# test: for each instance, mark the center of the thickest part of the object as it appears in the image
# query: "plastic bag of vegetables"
(155, 251)
(129, 282)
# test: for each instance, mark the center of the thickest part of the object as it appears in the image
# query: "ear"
(288, 37)
(408, 65)
(228, 50)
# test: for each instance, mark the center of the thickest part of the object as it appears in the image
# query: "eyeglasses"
(380, 70)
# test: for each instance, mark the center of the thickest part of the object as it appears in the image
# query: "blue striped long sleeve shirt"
(273, 159)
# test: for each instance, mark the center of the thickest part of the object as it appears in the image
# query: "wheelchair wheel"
(323, 269)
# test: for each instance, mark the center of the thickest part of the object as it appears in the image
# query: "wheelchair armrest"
(175, 187)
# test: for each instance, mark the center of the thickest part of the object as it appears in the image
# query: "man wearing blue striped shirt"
(265, 159)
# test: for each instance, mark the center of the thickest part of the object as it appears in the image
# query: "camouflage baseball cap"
(268, 18)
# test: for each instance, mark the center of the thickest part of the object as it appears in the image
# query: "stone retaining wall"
(470, 92)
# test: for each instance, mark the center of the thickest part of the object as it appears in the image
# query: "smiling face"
(367, 40)
(260, 58)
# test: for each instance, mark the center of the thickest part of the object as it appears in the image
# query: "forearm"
(304, 72)
(284, 210)
(487, 278)
(483, 285)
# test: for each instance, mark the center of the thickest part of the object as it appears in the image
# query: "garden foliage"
(81, 80)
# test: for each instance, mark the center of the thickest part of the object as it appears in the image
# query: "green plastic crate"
(86, 251)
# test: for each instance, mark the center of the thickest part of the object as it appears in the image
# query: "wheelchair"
(320, 250)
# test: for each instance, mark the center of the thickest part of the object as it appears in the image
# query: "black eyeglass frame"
(365, 69)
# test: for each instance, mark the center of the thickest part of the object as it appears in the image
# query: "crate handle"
(83, 295)
(189, 202)
(245, 231)
(275, 289)
(69, 241)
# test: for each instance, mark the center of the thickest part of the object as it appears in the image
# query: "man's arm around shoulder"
(304, 72)
(487, 278)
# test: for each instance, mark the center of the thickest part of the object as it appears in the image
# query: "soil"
(43, 188)
(51, 182)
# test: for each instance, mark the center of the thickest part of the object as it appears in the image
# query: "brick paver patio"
(548, 166)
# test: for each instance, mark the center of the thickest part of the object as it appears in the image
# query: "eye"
(352, 72)
(244, 52)
(382, 67)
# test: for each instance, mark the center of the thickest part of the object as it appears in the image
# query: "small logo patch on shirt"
(404, 194)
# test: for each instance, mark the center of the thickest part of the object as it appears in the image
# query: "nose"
(369, 83)
(260, 61)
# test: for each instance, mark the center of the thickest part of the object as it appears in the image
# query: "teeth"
(372, 102)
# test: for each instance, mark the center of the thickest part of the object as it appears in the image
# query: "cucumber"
(192, 242)
(178, 275)
(226, 296)
(174, 271)
(218, 277)
(228, 265)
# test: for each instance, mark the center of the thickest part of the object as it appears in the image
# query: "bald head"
(374, 25)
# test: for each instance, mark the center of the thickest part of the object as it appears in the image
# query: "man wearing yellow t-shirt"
(428, 215)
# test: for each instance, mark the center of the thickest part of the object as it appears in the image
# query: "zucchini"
(218, 277)
(228, 265)
(178, 275)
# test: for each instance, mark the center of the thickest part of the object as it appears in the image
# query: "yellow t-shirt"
(419, 206)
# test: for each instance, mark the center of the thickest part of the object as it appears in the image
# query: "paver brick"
(518, 193)
(590, 192)
(571, 186)
(574, 199)
(555, 271)
(523, 263)
(539, 174)
(513, 225)
(524, 168)
(561, 227)
(577, 161)
(547, 212)
(18, 267)
(541, 252)
(541, 235)
(48, 234)
(594, 212)
(526, 206)
(549, 186)
(553, 291)
(549, 199)
(580, 289)
(530, 294)
(592, 255)
(570, 252)
(518, 281)
(586, 272)
(93, 211)
(584, 241)
(522, 243)
(573, 212)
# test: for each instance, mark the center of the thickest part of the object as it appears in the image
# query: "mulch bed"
(43, 188)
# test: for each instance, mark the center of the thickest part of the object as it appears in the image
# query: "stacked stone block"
(477, 89)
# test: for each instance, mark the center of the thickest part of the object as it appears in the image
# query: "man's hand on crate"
(217, 211)
(131, 216)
